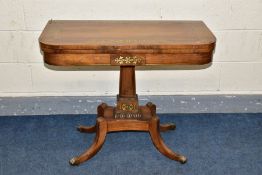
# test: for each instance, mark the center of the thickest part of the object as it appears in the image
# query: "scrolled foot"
(154, 130)
(87, 129)
(97, 144)
(167, 127)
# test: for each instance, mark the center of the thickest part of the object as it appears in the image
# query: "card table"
(126, 44)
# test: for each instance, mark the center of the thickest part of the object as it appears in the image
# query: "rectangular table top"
(157, 42)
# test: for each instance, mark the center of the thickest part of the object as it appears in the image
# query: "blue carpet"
(215, 144)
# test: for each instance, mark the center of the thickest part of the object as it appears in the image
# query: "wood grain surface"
(159, 42)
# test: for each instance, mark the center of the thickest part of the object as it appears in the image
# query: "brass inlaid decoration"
(128, 115)
(128, 60)
(127, 107)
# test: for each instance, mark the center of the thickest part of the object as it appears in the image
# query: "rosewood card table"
(126, 44)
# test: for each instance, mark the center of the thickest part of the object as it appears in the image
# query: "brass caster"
(73, 161)
(183, 160)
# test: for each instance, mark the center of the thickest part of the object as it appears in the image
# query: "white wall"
(237, 66)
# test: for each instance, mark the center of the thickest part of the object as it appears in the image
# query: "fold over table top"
(98, 42)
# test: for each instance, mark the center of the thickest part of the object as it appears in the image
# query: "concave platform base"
(106, 122)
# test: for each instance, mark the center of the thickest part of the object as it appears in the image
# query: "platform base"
(144, 120)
